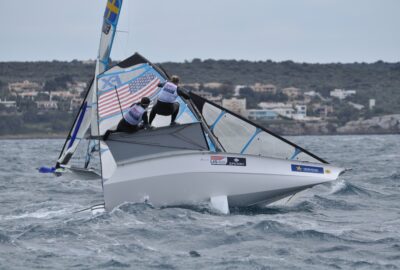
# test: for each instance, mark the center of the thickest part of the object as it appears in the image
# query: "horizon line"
(213, 59)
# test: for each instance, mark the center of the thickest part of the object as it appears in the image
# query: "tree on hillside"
(50, 85)
(253, 98)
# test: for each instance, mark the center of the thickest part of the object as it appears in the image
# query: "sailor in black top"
(135, 119)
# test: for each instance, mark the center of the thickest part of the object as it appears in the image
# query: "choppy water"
(353, 223)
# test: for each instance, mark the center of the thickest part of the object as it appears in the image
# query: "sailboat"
(212, 154)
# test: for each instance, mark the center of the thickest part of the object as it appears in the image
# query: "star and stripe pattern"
(144, 86)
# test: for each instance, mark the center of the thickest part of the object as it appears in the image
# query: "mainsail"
(88, 110)
(121, 86)
(124, 84)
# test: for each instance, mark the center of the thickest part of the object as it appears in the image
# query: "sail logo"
(230, 161)
(110, 82)
(218, 160)
(236, 161)
(307, 169)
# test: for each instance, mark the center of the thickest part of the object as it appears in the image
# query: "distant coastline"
(41, 99)
(33, 136)
(297, 129)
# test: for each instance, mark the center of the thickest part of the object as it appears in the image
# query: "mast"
(87, 115)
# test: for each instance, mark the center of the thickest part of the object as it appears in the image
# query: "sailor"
(166, 100)
(133, 120)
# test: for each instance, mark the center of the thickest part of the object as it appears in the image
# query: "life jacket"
(168, 93)
(134, 115)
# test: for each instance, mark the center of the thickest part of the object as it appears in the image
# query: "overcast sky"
(177, 30)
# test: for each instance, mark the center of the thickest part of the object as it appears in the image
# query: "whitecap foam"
(40, 214)
(337, 186)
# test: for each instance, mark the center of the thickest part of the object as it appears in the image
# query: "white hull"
(190, 177)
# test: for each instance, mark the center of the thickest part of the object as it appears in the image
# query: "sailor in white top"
(166, 100)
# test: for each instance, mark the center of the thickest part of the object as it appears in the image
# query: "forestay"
(239, 135)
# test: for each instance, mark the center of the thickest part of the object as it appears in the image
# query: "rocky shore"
(387, 124)
(375, 125)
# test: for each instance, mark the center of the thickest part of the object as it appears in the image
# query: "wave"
(39, 214)
(334, 249)
(4, 239)
(132, 208)
(396, 247)
(314, 234)
(301, 207)
(271, 226)
(202, 208)
(114, 263)
(395, 176)
(344, 188)
(38, 231)
(326, 203)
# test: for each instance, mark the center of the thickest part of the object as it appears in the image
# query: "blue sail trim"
(47, 169)
(78, 125)
(250, 140)
(296, 152)
(217, 120)
(211, 145)
(183, 107)
(105, 63)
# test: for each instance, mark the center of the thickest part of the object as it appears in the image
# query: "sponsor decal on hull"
(229, 161)
(307, 169)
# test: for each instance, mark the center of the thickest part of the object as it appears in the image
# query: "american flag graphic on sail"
(144, 86)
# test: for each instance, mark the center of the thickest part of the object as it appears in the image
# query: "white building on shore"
(262, 114)
(209, 96)
(342, 93)
(47, 105)
(356, 106)
(8, 103)
(292, 111)
(264, 88)
(283, 109)
(236, 105)
(24, 86)
(371, 103)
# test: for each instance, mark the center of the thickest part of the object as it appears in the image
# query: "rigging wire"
(119, 102)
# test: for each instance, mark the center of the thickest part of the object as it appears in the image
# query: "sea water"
(352, 223)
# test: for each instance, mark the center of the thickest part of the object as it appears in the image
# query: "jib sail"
(238, 135)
